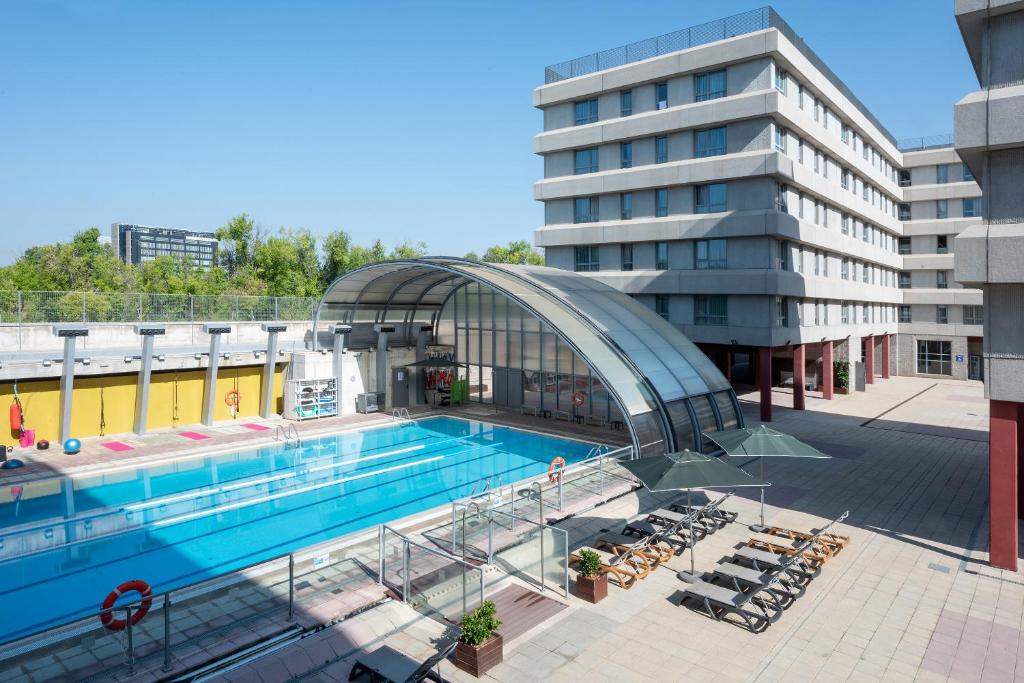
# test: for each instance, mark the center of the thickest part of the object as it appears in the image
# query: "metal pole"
(167, 632)
(565, 535)
(560, 470)
(490, 538)
(380, 555)
(454, 506)
(406, 561)
(291, 587)
(689, 504)
(131, 647)
(762, 491)
(600, 470)
(540, 499)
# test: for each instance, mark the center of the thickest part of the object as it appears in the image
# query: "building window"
(780, 139)
(865, 313)
(782, 260)
(865, 233)
(800, 205)
(626, 155)
(942, 244)
(942, 174)
(845, 181)
(941, 208)
(661, 255)
(661, 305)
(817, 161)
(710, 309)
(660, 149)
(817, 262)
(844, 224)
(585, 210)
(626, 102)
(865, 273)
(904, 280)
(709, 198)
(973, 315)
(661, 202)
(845, 313)
(905, 245)
(626, 206)
(710, 254)
(972, 208)
(904, 212)
(800, 96)
(817, 110)
(934, 357)
(844, 270)
(782, 311)
(845, 134)
(781, 202)
(800, 259)
(709, 85)
(586, 161)
(661, 95)
(941, 315)
(904, 178)
(709, 142)
(586, 260)
(626, 256)
(586, 111)
(800, 151)
(905, 314)
(968, 175)
(941, 279)
(780, 80)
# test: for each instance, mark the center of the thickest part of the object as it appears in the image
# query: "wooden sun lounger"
(623, 568)
(387, 665)
(718, 601)
(651, 547)
(813, 550)
(834, 540)
(762, 560)
(712, 511)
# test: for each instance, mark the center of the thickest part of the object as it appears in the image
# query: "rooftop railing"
(740, 24)
(925, 142)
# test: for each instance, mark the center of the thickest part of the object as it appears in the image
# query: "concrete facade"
(799, 247)
(990, 254)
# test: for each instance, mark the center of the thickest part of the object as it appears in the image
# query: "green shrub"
(479, 625)
(590, 563)
(842, 374)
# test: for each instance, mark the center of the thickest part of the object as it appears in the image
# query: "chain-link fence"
(25, 307)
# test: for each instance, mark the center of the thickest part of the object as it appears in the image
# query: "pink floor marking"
(195, 436)
(256, 427)
(117, 446)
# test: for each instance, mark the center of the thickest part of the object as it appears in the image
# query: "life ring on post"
(579, 398)
(232, 398)
(140, 587)
(555, 469)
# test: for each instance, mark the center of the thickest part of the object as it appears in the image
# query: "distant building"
(141, 243)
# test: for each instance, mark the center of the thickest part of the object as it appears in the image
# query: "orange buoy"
(140, 587)
(232, 398)
(555, 469)
(17, 417)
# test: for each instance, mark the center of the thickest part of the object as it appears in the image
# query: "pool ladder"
(400, 414)
(289, 434)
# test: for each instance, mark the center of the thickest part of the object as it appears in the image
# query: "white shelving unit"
(308, 399)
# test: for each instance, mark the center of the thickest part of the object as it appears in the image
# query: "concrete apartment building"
(726, 177)
(990, 254)
(141, 243)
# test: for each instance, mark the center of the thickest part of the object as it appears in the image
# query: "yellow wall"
(175, 398)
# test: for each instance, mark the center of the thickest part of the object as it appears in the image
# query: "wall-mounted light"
(198, 356)
(734, 342)
(47, 362)
(127, 359)
(86, 361)
(161, 358)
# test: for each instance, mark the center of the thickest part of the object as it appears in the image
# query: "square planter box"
(844, 390)
(592, 590)
(479, 659)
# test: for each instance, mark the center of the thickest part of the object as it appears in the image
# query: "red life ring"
(232, 398)
(140, 587)
(555, 469)
(579, 398)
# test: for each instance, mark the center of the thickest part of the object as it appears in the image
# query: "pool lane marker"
(290, 492)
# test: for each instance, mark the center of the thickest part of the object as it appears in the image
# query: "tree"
(239, 239)
(288, 264)
(405, 250)
(519, 252)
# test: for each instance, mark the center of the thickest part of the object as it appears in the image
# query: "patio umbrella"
(763, 442)
(687, 470)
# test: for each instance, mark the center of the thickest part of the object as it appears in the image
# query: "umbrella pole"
(690, 577)
(760, 527)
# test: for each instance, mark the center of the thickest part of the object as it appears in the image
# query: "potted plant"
(591, 582)
(479, 648)
(841, 370)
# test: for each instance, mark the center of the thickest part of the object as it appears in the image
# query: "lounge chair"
(835, 541)
(781, 584)
(625, 569)
(667, 517)
(718, 601)
(675, 535)
(652, 547)
(712, 511)
(386, 664)
(762, 560)
(813, 550)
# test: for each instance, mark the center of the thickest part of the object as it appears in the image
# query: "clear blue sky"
(404, 121)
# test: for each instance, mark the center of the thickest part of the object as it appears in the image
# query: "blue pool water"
(68, 542)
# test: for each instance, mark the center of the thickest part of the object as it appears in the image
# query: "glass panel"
(705, 413)
(682, 424)
(727, 409)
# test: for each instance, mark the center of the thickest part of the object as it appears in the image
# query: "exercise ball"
(12, 464)
(72, 446)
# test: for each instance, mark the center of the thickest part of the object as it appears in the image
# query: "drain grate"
(938, 567)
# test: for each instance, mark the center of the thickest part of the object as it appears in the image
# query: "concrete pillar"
(799, 375)
(764, 381)
(269, 368)
(423, 336)
(382, 362)
(69, 333)
(827, 370)
(147, 332)
(1003, 452)
(886, 368)
(340, 334)
(869, 359)
(210, 386)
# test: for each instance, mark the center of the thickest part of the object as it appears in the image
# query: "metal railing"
(288, 434)
(925, 142)
(24, 307)
(743, 23)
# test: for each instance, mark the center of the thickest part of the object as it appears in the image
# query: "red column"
(799, 378)
(886, 368)
(1003, 443)
(827, 366)
(869, 360)
(764, 381)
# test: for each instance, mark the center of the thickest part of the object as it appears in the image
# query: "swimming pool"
(182, 521)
